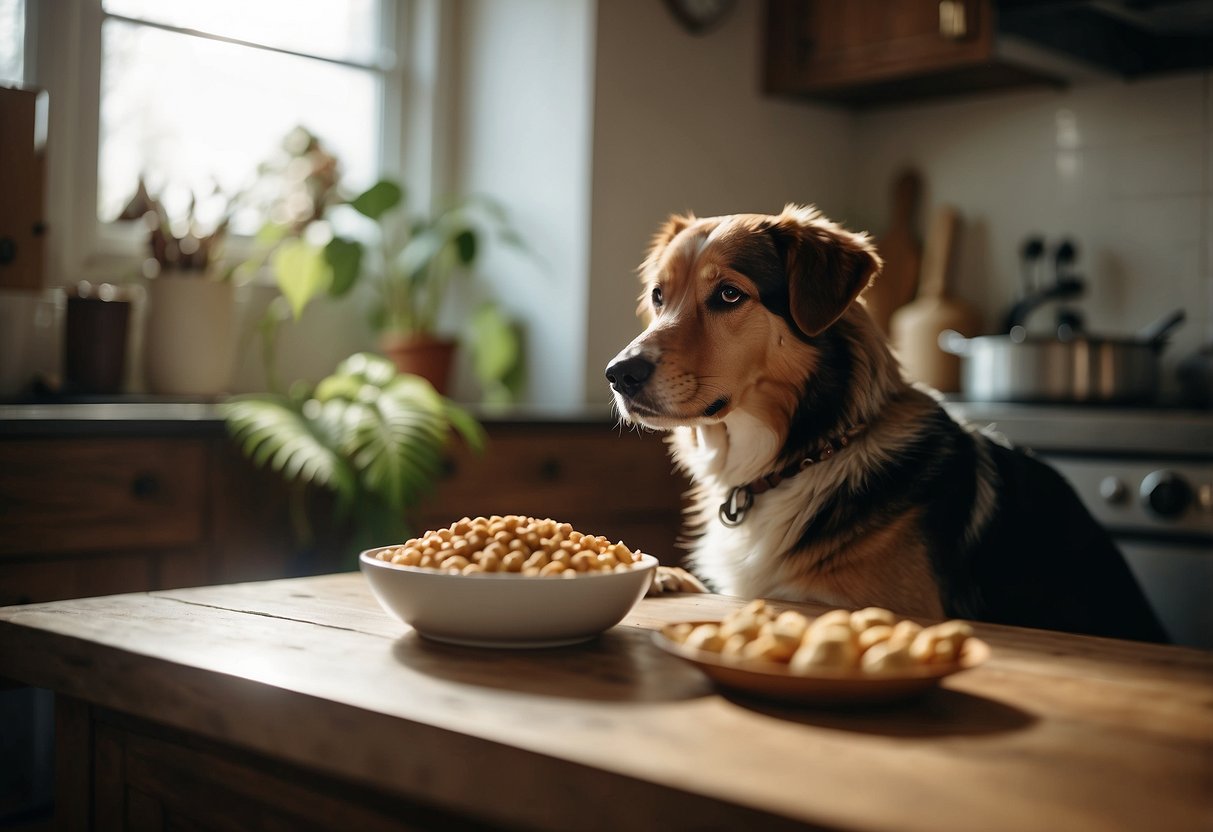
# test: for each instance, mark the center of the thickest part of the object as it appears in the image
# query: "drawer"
(562, 471)
(53, 579)
(622, 486)
(83, 495)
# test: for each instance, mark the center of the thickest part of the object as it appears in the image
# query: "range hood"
(1072, 39)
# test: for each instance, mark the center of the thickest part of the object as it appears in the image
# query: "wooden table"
(300, 704)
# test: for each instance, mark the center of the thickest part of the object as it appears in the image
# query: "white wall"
(1122, 168)
(594, 120)
(680, 124)
(522, 135)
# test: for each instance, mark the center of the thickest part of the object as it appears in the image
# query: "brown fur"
(756, 357)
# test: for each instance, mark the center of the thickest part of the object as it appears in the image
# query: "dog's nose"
(628, 375)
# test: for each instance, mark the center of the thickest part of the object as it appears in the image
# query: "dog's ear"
(668, 231)
(826, 265)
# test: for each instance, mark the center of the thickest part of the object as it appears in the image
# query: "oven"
(1147, 476)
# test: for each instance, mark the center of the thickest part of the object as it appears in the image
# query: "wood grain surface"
(1053, 732)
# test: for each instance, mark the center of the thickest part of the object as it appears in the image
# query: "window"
(195, 95)
(12, 42)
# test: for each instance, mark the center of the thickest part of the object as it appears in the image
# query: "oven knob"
(1166, 493)
(1113, 490)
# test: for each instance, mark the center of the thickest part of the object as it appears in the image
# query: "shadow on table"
(940, 712)
(617, 666)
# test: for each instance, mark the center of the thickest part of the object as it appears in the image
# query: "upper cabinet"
(873, 52)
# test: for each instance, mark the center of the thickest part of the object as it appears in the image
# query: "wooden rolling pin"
(914, 328)
(901, 251)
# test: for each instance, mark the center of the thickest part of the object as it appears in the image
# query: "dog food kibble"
(872, 640)
(512, 543)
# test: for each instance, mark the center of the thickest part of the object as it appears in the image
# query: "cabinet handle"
(953, 21)
(145, 485)
(805, 44)
(550, 470)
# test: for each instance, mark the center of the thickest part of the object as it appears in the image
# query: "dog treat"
(872, 640)
(512, 543)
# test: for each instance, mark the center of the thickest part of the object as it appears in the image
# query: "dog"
(819, 472)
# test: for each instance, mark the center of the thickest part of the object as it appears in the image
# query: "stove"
(1147, 476)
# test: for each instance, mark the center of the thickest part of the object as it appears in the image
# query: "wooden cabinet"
(149, 778)
(100, 515)
(91, 494)
(866, 52)
(602, 480)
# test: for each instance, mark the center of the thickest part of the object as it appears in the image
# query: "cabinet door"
(603, 481)
(87, 495)
(868, 39)
(147, 779)
(864, 50)
(45, 578)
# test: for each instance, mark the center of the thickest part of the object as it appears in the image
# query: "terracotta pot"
(427, 356)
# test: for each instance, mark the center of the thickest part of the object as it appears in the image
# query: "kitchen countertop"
(1043, 427)
(150, 415)
(1100, 429)
(1054, 732)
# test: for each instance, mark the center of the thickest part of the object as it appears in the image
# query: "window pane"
(189, 113)
(12, 41)
(344, 29)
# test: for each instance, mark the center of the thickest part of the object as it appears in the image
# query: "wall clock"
(699, 16)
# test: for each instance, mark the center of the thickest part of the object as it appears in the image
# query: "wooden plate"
(771, 680)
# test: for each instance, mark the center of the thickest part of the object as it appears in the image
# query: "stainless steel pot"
(1086, 369)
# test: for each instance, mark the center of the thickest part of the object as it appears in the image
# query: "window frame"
(63, 56)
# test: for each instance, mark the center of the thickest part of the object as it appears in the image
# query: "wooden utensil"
(914, 328)
(901, 251)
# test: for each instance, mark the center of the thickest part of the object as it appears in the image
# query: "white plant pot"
(190, 341)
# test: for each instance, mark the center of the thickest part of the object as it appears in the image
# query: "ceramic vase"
(190, 338)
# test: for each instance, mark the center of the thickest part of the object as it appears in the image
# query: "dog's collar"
(733, 510)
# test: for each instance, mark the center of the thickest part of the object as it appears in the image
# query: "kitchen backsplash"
(1122, 169)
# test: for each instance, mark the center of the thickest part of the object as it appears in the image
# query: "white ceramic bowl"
(502, 609)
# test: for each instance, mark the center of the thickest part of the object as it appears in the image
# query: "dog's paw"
(674, 579)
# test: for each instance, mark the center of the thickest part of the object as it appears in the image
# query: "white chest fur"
(746, 560)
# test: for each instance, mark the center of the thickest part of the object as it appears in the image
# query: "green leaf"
(338, 387)
(344, 257)
(415, 258)
(467, 427)
(512, 238)
(377, 200)
(465, 244)
(495, 344)
(271, 234)
(301, 272)
(271, 431)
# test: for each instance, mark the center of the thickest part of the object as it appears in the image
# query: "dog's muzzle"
(628, 375)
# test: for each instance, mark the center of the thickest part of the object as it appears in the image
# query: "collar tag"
(733, 510)
(741, 498)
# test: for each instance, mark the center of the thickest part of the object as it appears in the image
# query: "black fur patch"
(761, 261)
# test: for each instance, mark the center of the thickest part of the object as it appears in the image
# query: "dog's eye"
(657, 297)
(729, 294)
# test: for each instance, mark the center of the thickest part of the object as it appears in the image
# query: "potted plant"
(408, 260)
(370, 435)
(189, 340)
(410, 266)
(418, 258)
